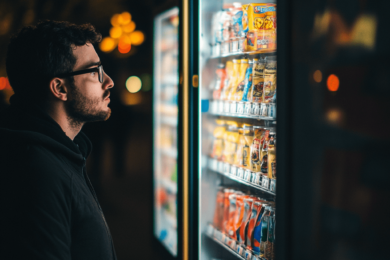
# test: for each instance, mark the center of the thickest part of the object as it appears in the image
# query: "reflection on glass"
(165, 128)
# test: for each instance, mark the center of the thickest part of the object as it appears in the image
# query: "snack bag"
(229, 73)
(266, 36)
(272, 156)
(240, 83)
(264, 154)
(226, 206)
(256, 92)
(218, 213)
(237, 27)
(227, 93)
(240, 148)
(255, 148)
(231, 144)
(218, 142)
(220, 82)
(248, 81)
(245, 18)
(260, 231)
(248, 203)
(261, 33)
(256, 209)
(269, 91)
(232, 212)
(248, 139)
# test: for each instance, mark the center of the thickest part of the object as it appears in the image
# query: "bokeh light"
(128, 28)
(146, 82)
(3, 83)
(137, 37)
(107, 44)
(333, 83)
(114, 20)
(116, 32)
(124, 18)
(125, 48)
(317, 76)
(133, 84)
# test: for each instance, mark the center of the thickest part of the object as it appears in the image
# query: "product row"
(245, 146)
(243, 109)
(244, 28)
(244, 222)
(246, 80)
(253, 179)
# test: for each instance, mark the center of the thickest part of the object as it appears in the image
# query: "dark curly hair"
(36, 54)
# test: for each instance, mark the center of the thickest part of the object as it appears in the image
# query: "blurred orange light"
(137, 37)
(125, 18)
(115, 32)
(125, 39)
(3, 83)
(107, 44)
(128, 28)
(125, 49)
(333, 83)
(317, 76)
(114, 20)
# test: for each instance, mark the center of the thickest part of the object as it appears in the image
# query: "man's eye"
(93, 73)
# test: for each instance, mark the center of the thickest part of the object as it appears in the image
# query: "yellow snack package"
(240, 84)
(269, 91)
(234, 79)
(218, 142)
(256, 148)
(229, 73)
(255, 94)
(231, 144)
(261, 32)
(238, 161)
(248, 140)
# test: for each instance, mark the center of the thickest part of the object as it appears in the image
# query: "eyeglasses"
(98, 69)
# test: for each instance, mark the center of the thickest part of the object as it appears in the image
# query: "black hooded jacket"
(49, 209)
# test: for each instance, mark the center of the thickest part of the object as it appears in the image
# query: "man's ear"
(59, 89)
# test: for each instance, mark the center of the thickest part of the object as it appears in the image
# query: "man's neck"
(70, 127)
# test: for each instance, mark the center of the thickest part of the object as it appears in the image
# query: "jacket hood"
(28, 124)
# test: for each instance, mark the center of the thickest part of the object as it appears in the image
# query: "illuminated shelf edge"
(240, 180)
(229, 249)
(242, 53)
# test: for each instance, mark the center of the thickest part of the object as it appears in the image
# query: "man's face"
(88, 98)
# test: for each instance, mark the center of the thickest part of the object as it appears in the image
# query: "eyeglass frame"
(98, 69)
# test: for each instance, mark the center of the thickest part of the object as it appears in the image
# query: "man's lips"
(107, 96)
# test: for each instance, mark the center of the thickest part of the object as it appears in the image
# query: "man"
(49, 209)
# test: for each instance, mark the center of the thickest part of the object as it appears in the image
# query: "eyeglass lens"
(101, 74)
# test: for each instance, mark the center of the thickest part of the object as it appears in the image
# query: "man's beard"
(82, 110)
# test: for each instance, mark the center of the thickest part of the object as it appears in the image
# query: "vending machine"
(165, 159)
(283, 133)
(237, 133)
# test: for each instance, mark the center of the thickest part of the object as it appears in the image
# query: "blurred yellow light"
(333, 83)
(128, 28)
(137, 37)
(125, 18)
(114, 20)
(125, 39)
(115, 32)
(133, 84)
(107, 44)
(317, 76)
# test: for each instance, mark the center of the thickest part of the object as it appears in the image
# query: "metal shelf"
(248, 254)
(217, 169)
(245, 116)
(226, 55)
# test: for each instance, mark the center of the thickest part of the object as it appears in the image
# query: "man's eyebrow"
(91, 64)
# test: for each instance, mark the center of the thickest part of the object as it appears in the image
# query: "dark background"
(120, 165)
